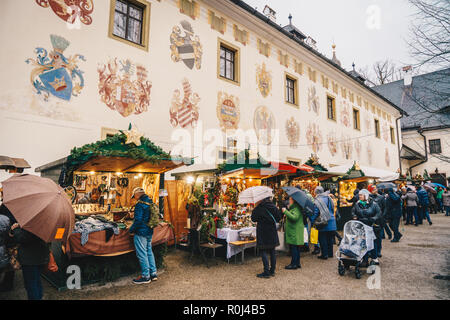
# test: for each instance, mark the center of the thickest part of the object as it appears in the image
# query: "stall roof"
(321, 175)
(369, 172)
(253, 173)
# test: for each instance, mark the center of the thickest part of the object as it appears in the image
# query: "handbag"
(13, 252)
(52, 266)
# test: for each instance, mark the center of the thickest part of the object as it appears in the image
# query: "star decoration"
(133, 136)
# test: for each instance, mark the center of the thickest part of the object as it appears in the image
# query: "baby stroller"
(356, 243)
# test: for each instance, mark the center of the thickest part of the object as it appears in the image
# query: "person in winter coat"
(355, 198)
(381, 202)
(446, 201)
(440, 206)
(143, 235)
(368, 212)
(432, 200)
(33, 256)
(267, 215)
(7, 284)
(424, 203)
(412, 201)
(294, 232)
(326, 233)
(394, 208)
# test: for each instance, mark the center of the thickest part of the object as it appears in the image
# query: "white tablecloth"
(231, 236)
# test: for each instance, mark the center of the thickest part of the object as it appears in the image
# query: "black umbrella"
(301, 198)
(386, 185)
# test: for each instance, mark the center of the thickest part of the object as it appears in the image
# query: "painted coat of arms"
(358, 147)
(314, 137)
(184, 111)
(54, 73)
(346, 147)
(313, 100)
(70, 10)
(345, 114)
(332, 143)
(264, 124)
(124, 88)
(228, 111)
(263, 80)
(293, 132)
(186, 46)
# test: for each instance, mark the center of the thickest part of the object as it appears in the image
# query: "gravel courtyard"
(408, 271)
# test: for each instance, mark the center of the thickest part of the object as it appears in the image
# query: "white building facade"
(189, 75)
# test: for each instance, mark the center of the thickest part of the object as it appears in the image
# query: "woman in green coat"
(294, 232)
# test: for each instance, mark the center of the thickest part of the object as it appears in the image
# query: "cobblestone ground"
(408, 271)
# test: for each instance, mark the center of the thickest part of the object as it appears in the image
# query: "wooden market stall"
(101, 177)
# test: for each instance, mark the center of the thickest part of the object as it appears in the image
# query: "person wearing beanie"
(326, 233)
(368, 212)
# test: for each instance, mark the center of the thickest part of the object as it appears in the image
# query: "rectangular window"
(291, 89)
(228, 62)
(377, 129)
(392, 135)
(189, 8)
(356, 120)
(129, 22)
(331, 108)
(435, 146)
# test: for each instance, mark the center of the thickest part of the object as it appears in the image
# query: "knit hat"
(319, 190)
(372, 188)
(365, 193)
(137, 190)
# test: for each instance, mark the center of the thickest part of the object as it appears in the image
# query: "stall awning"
(290, 168)
(321, 175)
(380, 174)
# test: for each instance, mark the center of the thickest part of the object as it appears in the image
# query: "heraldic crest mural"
(293, 132)
(185, 111)
(70, 10)
(264, 125)
(54, 73)
(313, 100)
(228, 111)
(185, 46)
(124, 87)
(314, 137)
(263, 80)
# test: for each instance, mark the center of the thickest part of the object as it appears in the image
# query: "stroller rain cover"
(358, 240)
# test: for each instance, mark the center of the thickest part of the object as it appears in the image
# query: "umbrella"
(386, 185)
(301, 198)
(255, 194)
(40, 206)
(434, 184)
(430, 188)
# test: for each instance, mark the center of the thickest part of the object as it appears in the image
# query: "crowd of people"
(381, 209)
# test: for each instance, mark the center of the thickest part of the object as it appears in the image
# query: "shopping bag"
(305, 236)
(314, 236)
(283, 246)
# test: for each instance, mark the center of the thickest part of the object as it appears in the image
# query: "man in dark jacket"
(143, 235)
(33, 256)
(267, 215)
(424, 203)
(394, 209)
(377, 198)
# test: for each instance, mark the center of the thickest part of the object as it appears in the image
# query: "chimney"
(407, 76)
(270, 13)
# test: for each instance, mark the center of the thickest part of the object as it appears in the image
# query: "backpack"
(154, 219)
(324, 214)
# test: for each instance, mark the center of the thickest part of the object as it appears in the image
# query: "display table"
(118, 244)
(230, 235)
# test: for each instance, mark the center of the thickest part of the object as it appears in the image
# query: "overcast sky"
(365, 31)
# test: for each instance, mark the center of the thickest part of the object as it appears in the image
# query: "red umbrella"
(40, 206)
